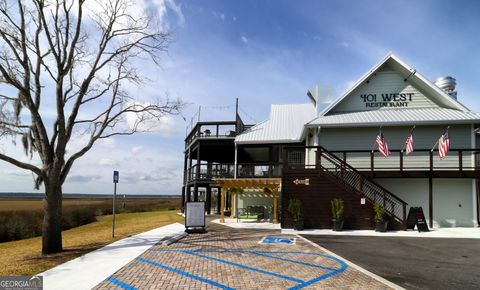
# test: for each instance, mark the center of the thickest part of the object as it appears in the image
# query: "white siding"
(380, 83)
(452, 198)
(424, 138)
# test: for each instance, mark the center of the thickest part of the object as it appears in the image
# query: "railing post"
(460, 160)
(401, 161)
(372, 166)
(384, 201)
(431, 160)
(404, 219)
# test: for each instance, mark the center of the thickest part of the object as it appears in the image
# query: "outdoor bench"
(251, 213)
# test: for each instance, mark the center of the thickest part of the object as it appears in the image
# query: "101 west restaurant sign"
(387, 100)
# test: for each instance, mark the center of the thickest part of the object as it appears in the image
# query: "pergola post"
(232, 205)
(275, 202)
(222, 205)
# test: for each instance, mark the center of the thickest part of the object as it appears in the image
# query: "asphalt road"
(413, 263)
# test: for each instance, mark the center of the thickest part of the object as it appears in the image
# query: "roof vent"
(447, 84)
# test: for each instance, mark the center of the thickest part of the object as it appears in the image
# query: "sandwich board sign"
(416, 217)
(195, 215)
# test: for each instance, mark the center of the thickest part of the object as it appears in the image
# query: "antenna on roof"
(236, 107)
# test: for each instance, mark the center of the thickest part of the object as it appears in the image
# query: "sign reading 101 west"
(387, 100)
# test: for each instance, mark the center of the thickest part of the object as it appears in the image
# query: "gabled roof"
(285, 125)
(418, 116)
(414, 77)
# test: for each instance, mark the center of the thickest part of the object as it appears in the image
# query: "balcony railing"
(226, 129)
(259, 170)
(227, 170)
(420, 160)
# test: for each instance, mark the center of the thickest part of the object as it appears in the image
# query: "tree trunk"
(52, 219)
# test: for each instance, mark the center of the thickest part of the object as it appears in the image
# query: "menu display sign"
(195, 214)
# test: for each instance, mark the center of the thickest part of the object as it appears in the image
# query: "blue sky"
(266, 52)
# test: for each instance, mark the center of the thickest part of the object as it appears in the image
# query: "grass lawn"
(24, 257)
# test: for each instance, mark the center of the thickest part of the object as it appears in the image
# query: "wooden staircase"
(351, 179)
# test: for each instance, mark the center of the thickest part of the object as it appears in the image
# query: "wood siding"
(383, 82)
(337, 139)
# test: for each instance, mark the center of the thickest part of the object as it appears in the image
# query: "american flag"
(409, 144)
(382, 145)
(443, 145)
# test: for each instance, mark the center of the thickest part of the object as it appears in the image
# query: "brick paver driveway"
(234, 259)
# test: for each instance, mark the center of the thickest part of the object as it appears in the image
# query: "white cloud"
(137, 149)
(108, 143)
(244, 39)
(222, 16)
(177, 9)
(107, 162)
(344, 43)
(165, 125)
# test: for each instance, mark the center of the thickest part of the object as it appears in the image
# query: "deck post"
(275, 202)
(183, 200)
(222, 205)
(188, 193)
(430, 201)
(219, 190)
(208, 200)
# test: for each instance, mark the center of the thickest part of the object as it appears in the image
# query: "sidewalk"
(102, 263)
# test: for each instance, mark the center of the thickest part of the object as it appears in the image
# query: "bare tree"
(78, 58)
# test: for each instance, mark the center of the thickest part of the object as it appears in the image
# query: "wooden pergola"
(272, 184)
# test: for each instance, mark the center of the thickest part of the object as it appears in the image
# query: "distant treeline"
(84, 195)
(27, 223)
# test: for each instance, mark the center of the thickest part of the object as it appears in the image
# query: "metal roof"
(418, 116)
(285, 125)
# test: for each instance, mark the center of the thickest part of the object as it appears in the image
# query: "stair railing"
(349, 177)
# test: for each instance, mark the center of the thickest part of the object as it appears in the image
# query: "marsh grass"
(22, 218)
(24, 257)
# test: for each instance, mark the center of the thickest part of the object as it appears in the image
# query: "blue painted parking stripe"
(265, 254)
(245, 267)
(121, 284)
(269, 254)
(323, 277)
(216, 284)
(293, 261)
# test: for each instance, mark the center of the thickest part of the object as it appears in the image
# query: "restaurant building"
(326, 149)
